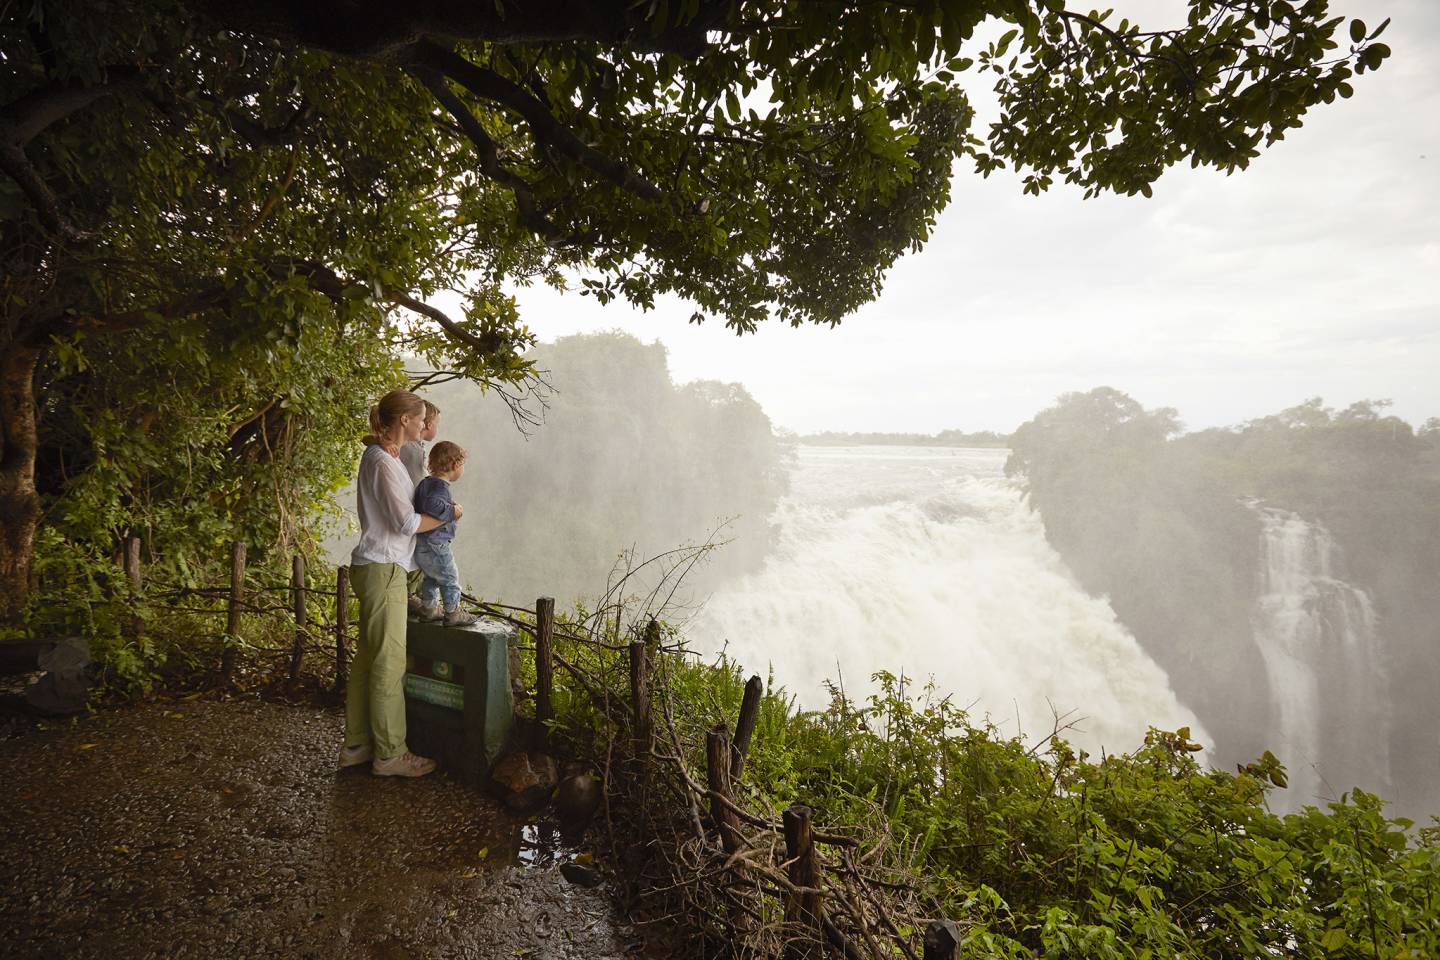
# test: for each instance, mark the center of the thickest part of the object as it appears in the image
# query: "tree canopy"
(248, 180)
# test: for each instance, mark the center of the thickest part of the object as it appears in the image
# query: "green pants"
(375, 692)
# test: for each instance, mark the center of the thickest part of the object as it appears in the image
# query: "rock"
(525, 781)
(577, 800)
(65, 687)
(580, 874)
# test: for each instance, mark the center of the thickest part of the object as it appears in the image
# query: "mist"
(625, 465)
(1268, 585)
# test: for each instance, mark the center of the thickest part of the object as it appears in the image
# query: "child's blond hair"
(445, 456)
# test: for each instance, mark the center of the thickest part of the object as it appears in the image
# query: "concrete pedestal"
(458, 706)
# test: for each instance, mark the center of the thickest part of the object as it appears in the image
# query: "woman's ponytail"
(385, 415)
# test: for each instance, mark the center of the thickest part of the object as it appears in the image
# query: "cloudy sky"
(1315, 273)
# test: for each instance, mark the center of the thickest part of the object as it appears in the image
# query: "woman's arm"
(436, 505)
(428, 523)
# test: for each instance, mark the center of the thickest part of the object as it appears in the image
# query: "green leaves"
(1003, 44)
(1043, 852)
(1111, 108)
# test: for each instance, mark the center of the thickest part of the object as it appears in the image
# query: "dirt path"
(222, 829)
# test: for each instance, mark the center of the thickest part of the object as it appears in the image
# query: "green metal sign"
(438, 692)
(459, 707)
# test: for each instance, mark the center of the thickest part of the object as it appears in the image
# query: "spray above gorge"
(1107, 572)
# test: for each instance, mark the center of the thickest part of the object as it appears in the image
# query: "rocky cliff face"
(1277, 639)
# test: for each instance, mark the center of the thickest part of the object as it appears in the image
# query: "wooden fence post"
(717, 771)
(136, 579)
(297, 599)
(802, 909)
(942, 938)
(745, 725)
(642, 731)
(544, 660)
(232, 620)
(342, 625)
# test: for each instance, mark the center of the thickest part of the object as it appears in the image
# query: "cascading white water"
(1317, 636)
(926, 560)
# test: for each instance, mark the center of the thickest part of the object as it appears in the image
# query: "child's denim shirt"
(433, 497)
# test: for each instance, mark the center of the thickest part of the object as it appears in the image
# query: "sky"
(1314, 273)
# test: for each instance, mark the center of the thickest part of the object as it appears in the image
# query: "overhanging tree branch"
(14, 162)
(320, 278)
(528, 214)
(490, 85)
(203, 297)
(28, 115)
(1120, 41)
(262, 136)
(485, 344)
(23, 118)
(330, 283)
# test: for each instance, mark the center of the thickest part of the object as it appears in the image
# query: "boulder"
(525, 780)
(65, 687)
(580, 874)
(577, 800)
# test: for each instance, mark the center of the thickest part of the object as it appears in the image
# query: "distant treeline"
(945, 438)
(626, 460)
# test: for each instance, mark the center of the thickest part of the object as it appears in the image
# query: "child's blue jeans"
(436, 560)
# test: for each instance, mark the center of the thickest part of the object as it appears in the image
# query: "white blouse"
(388, 520)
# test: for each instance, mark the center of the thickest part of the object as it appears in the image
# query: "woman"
(375, 693)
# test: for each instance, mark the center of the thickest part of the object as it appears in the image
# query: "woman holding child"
(379, 565)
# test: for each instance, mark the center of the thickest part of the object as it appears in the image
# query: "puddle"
(543, 844)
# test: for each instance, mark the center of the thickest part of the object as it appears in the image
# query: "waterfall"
(928, 561)
(1317, 636)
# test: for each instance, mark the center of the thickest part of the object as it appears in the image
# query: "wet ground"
(222, 829)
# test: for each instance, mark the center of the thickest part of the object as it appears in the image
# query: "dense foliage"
(1037, 850)
(1159, 521)
(147, 440)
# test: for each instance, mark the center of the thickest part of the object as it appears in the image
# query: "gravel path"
(221, 829)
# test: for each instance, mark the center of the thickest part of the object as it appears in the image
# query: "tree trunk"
(19, 503)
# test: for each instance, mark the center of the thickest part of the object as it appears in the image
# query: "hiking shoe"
(354, 756)
(414, 605)
(430, 612)
(459, 618)
(405, 765)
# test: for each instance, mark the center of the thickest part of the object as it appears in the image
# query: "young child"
(412, 455)
(433, 553)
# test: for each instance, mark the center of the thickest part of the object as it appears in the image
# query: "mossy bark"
(19, 503)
